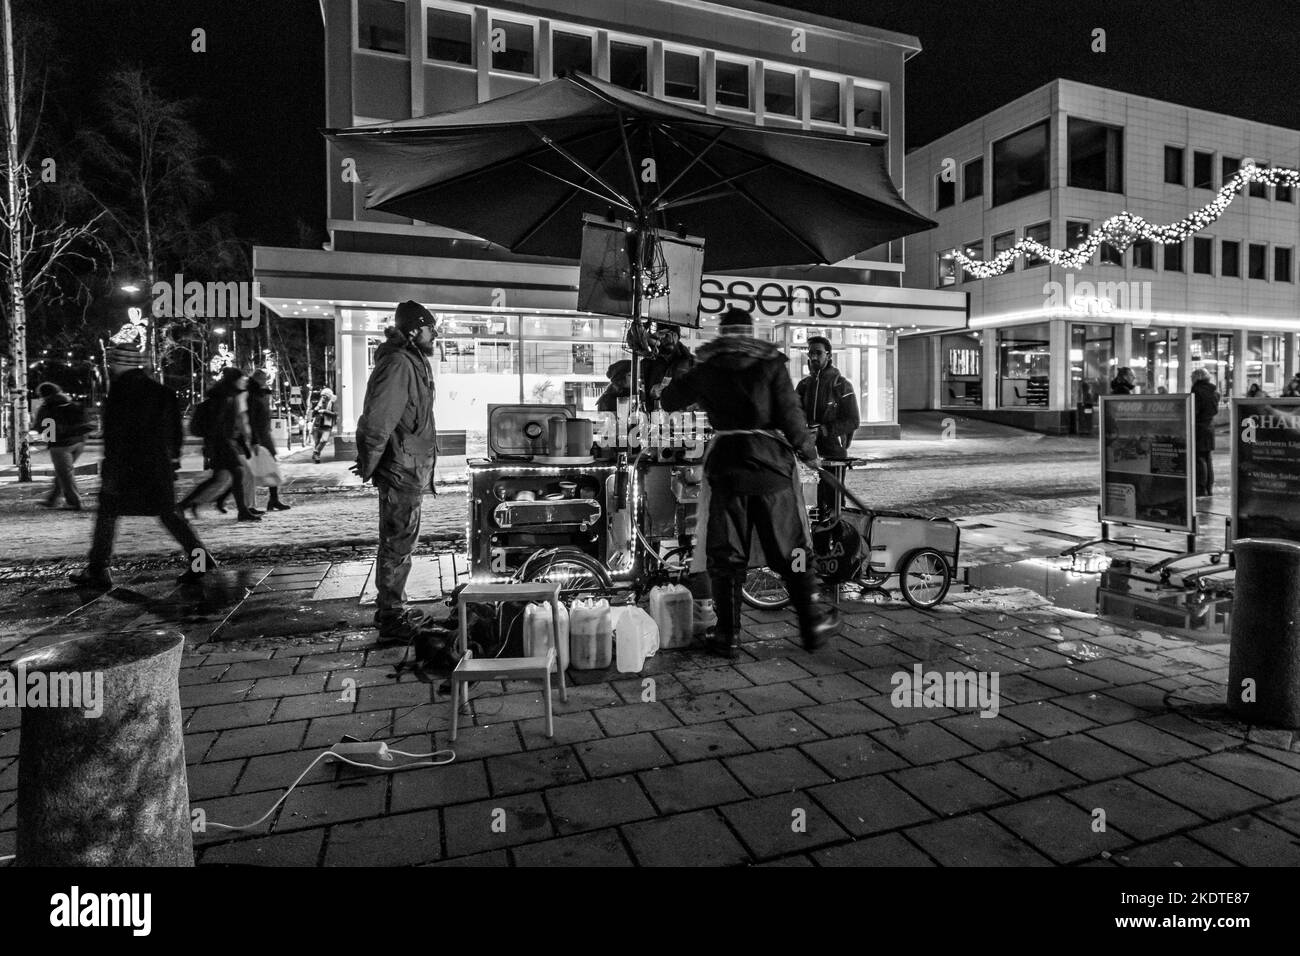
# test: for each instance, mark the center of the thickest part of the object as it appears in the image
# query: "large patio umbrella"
(522, 170)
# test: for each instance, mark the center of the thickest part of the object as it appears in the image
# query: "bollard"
(106, 790)
(1264, 662)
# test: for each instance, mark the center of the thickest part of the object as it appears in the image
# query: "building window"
(868, 108)
(1229, 167)
(682, 75)
(1041, 232)
(1001, 243)
(972, 179)
(1282, 193)
(1111, 256)
(1024, 366)
(1092, 351)
(1203, 170)
(1230, 261)
(1203, 256)
(1174, 257)
(731, 84)
(974, 250)
(779, 93)
(1257, 261)
(1213, 351)
(381, 25)
(1281, 264)
(570, 53)
(1174, 166)
(451, 37)
(962, 354)
(824, 100)
(627, 65)
(945, 192)
(1153, 357)
(1076, 233)
(1264, 363)
(512, 46)
(1144, 254)
(1259, 190)
(947, 268)
(1096, 156)
(1020, 164)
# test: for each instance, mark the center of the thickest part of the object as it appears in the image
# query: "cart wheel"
(575, 570)
(763, 588)
(924, 578)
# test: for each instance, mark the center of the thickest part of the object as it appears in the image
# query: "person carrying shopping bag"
(263, 464)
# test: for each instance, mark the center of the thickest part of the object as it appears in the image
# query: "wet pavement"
(703, 761)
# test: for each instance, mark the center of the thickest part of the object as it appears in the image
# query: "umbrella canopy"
(522, 170)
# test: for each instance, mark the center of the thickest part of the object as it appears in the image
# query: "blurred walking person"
(67, 426)
(143, 439)
(226, 437)
(322, 421)
(259, 422)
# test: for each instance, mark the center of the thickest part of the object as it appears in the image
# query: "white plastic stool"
(468, 670)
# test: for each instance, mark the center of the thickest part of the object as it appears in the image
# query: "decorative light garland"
(1126, 228)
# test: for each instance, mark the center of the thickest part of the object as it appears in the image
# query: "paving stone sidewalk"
(782, 758)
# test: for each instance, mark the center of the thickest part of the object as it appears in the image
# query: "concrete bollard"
(106, 790)
(1264, 662)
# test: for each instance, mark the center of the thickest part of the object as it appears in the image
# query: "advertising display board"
(1147, 461)
(1266, 468)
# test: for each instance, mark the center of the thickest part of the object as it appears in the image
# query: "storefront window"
(961, 355)
(1212, 351)
(1024, 365)
(1154, 360)
(1092, 350)
(865, 357)
(1264, 363)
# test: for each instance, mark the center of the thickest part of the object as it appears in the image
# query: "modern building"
(511, 331)
(1044, 341)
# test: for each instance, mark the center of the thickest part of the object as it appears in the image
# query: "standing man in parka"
(831, 410)
(397, 447)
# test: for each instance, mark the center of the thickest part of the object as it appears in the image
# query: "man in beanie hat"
(620, 386)
(63, 422)
(743, 386)
(397, 447)
(142, 450)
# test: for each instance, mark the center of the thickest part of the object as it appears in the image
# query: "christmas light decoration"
(223, 358)
(1126, 228)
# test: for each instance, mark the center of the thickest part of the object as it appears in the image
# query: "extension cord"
(362, 749)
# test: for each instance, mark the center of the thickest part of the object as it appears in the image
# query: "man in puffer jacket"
(831, 410)
(397, 447)
(743, 386)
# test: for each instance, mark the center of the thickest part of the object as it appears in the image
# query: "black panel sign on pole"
(1266, 468)
(1147, 470)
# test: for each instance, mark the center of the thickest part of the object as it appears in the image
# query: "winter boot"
(818, 620)
(726, 602)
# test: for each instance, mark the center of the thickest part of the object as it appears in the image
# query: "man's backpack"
(204, 419)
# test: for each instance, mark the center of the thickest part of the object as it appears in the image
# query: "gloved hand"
(356, 470)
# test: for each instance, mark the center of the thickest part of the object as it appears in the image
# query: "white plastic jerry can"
(634, 636)
(537, 632)
(672, 608)
(591, 635)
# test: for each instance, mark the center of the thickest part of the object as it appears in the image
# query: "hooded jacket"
(742, 383)
(397, 441)
(827, 400)
(70, 423)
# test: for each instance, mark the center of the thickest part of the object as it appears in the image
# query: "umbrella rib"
(580, 164)
(591, 192)
(627, 154)
(564, 201)
(691, 197)
(695, 159)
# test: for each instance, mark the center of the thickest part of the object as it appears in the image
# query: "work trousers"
(101, 547)
(1204, 461)
(399, 529)
(64, 457)
(733, 521)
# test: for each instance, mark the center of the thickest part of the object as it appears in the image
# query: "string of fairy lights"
(1126, 228)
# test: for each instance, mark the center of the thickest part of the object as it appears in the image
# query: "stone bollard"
(106, 790)
(1266, 633)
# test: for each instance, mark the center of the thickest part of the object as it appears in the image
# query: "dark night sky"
(260, 93)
